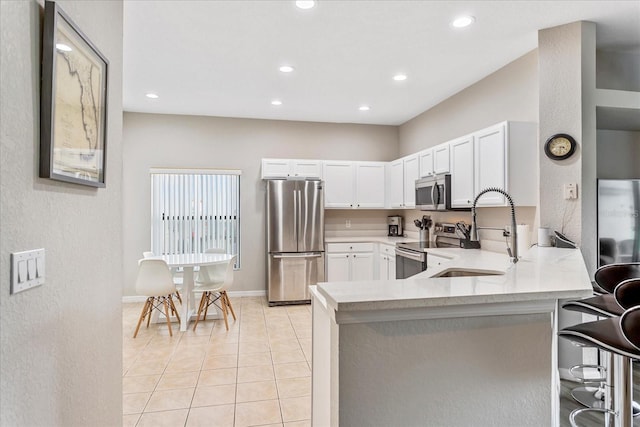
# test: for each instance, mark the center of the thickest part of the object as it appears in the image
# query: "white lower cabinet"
(349, 262)
(435, 260)
(386, 262)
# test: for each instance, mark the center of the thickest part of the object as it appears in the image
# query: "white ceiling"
(221, 58)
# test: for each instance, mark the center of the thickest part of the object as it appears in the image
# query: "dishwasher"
(411, 257)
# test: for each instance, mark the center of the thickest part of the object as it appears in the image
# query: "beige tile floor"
(257, 373)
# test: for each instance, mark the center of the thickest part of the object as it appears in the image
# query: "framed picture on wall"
(73, 109)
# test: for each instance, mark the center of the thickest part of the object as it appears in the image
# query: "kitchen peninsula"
(445, 351)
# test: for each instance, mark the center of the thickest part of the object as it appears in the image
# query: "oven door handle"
(411, 255)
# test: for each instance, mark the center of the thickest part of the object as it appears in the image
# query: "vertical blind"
(193, 210)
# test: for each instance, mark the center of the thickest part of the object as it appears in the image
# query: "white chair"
(156, 282)
(213, 282)
(176, 280)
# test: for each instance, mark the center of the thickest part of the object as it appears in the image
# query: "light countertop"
(542, 274)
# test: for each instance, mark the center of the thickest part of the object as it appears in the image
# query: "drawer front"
(349, 247)
(387, 249)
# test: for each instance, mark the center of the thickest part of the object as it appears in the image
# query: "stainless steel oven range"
(411, 257)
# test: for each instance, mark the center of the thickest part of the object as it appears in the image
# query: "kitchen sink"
(467, 272)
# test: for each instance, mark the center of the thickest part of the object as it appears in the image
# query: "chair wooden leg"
(152, 301)
(228, 302)
(178, 296)
(174, 309)
(166, 313)
(223, 305)
(208, 302)
(142, 315)
(202, 298)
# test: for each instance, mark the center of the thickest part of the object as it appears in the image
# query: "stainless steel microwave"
(433, 193)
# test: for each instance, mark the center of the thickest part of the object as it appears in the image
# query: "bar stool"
(620, 336)
(602, 305)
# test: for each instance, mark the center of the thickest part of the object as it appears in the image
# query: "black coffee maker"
(395, 226)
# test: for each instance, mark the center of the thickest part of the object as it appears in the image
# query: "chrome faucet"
(513, 250)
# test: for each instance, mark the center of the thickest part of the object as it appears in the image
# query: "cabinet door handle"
(354, 255)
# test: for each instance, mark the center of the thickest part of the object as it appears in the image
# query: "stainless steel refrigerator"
(618, 220)
(295, 239)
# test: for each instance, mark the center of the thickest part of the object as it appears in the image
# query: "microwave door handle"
(433, 197)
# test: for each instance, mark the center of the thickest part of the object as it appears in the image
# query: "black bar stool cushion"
(630, 325)
(602, 305)
(627, 293)
(605, 334)
(609, 276)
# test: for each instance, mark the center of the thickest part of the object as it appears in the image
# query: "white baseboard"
(239, 294)
(235, 294)
(133, 298)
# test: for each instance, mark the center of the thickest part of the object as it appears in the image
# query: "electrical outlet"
(570, 191)
(347, 223)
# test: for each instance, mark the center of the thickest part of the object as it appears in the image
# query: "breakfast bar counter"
(478, 348)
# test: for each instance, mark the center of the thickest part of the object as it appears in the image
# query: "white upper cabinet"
(370, 183)
(339, 184)
(354, 184)
(288, 168)
(441, 162)
(395, 184)
(501, 156)
(426, 162)
(490, 164)
(462, 173)
(307, 168)
(411, 173)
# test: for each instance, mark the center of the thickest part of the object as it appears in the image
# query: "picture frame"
(73, 103)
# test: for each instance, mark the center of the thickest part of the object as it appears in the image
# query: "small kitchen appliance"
(395, 226)
(433, 193)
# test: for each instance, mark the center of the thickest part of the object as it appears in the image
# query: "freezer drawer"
(290, 276)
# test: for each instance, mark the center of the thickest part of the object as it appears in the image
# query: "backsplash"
(374, 222)
(361, 222)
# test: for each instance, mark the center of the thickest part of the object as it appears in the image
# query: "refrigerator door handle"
(296, 215)
(301, 255)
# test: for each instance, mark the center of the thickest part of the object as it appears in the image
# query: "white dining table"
(188, 262)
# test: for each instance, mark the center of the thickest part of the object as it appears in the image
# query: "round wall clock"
(560, 146)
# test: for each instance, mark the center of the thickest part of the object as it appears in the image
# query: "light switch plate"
(27, 270)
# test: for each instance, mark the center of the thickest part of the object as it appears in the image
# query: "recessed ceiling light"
(276, 102)
(63, 47)
(364, 108)
(463, 21)
(400, 77)
(305, 4)
(152, 95)
(286, 68)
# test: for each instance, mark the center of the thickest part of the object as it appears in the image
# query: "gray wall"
(511, 93)
(210, 142)
(618, 154)
(61, 343)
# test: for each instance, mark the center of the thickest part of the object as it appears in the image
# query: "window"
(193, 210)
